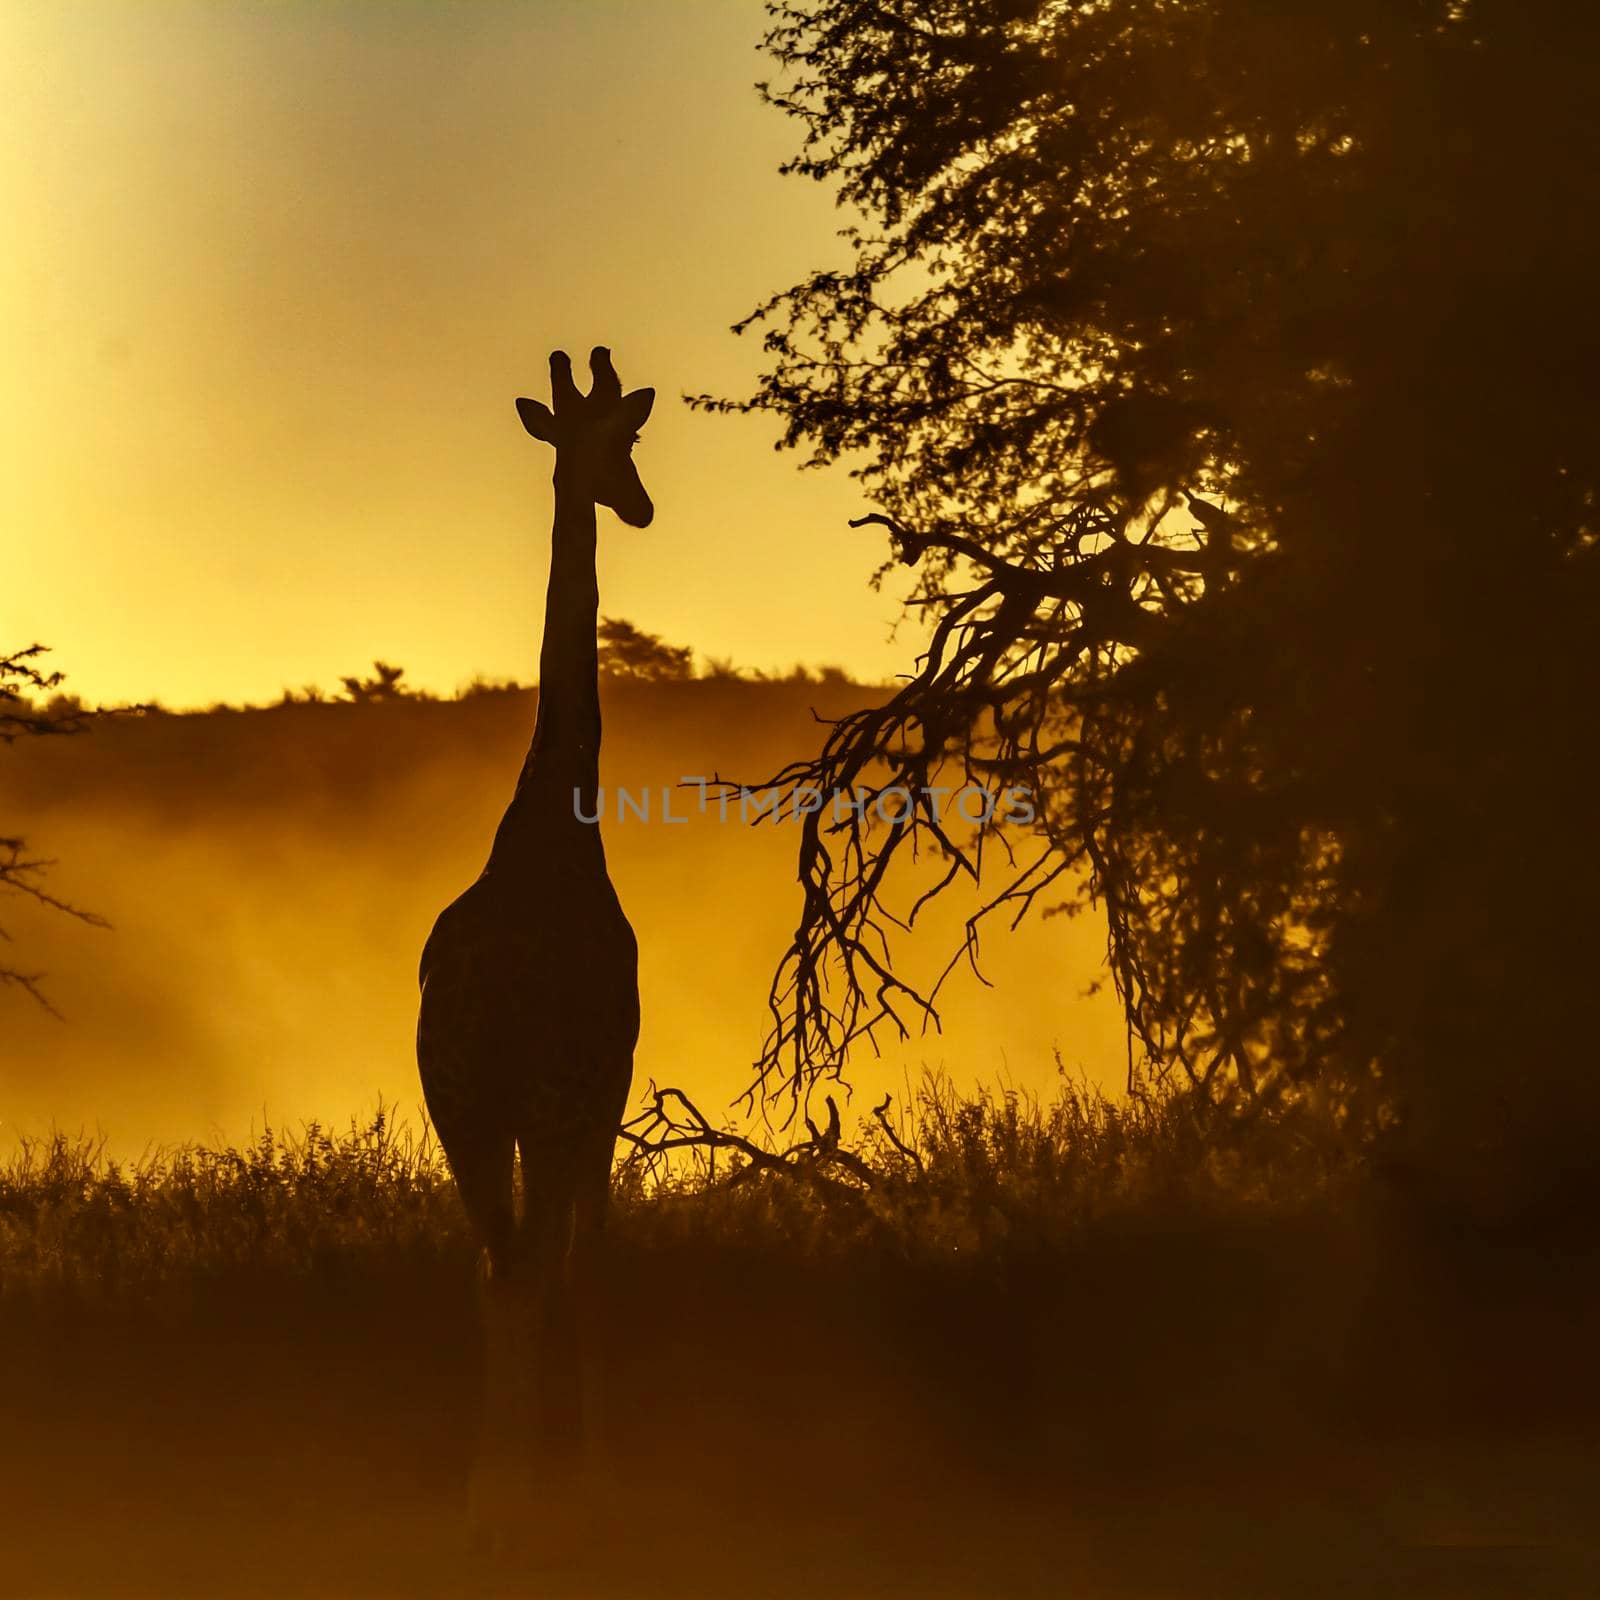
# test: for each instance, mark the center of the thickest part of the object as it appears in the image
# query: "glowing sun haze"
(274, 276)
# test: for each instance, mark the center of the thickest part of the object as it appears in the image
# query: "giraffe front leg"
(591, 1323)
(549, 1425)
(497, 1486)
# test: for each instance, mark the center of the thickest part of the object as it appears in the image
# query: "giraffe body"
(530, 1000)
(530, 1013)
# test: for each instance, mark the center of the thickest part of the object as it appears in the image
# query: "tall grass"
(73, 1218)
(997, 1170)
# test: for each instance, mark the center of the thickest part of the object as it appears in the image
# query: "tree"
(1229, 370)
(22, 872)
(384, 684)
(629, 652)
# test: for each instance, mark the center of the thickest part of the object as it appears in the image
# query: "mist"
(271, 874)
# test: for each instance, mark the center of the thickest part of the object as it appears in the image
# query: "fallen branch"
(671, 1123)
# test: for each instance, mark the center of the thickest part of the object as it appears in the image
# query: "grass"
(996, 1173)
(1005, 1337)
(78, 1226)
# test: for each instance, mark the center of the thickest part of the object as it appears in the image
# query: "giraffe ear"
(538, 419)
(636, 407)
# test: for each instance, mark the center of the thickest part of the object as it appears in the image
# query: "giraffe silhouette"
(530, 997)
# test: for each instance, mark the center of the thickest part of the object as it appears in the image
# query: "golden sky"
(274, 274)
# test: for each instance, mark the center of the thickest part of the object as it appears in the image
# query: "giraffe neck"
(560, 777)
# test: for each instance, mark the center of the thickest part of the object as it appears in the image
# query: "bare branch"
(672, 1125)
(21, 680)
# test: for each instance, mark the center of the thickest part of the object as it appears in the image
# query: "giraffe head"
(594, 434)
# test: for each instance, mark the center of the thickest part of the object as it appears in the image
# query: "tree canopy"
(1229, 371)
(627, 651)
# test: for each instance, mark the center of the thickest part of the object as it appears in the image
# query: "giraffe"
(530, 998)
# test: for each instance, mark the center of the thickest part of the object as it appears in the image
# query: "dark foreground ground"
(1281, 1395)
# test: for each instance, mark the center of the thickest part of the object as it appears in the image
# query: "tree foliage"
(627, 651)
(1229, 371)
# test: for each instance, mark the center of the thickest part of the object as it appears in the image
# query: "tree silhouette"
(384, 684)
(629, 652)
(21, 871)
(1228, 370)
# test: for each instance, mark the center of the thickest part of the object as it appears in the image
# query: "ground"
(980, 1381)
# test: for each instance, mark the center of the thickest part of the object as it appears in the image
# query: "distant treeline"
(627, 653)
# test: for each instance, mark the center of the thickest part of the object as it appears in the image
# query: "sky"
(275, 274)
